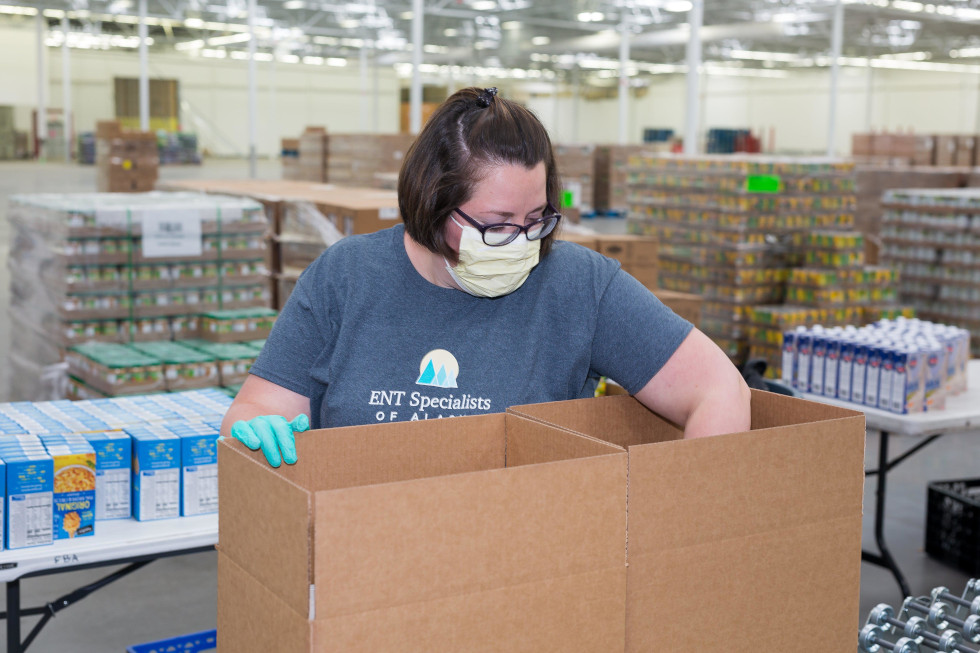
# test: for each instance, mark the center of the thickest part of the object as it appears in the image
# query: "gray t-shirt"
(368, 340)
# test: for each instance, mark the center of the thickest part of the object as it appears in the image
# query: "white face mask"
(486, 271)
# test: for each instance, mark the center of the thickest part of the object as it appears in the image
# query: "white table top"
(962, 412)
(113, 540)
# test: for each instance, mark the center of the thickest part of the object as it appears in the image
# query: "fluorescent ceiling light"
(54, 13)
(908, 56)
(214, 54)
(293, 4)
(350, 23)
(764, 56)
(189, 45)
(450, 32)
(906, 5)
(406, 15)
(484, 5)
(287, 58)
(326, 40)
(678, 6)
(17, 10)
(511, 24)
(193, 23)
(240, 55)
(540, 40)
(313, 61)
(965, 53)
(337, 62)
(590, 17)
(434, 49)
(230, 39)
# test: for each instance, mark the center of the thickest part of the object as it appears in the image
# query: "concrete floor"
(178, 595)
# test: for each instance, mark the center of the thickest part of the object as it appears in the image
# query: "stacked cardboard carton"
(313, 154)
(730, 227)
(423, 536)
(357, 159)
(8, 134)
(611, 176)
(576, 164)
(933, 236)
(124, 268)
(873, 180)
(289, 152)
(915, 149)
(306, 218)
(125, 162)
(363, 160)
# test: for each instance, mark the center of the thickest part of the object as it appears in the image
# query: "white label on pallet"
(169, 233)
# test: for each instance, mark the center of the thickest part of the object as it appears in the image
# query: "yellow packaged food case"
(74, 486)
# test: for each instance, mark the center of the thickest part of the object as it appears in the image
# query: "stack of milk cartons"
(901, 366)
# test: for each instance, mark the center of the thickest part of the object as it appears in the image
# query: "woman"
(472, 306)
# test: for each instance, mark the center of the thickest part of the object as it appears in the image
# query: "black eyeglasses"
(502, 233)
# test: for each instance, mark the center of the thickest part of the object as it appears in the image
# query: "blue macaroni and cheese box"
(74, 485)
(199, 467)
(113, 471)
(156, 472)
(30, 486)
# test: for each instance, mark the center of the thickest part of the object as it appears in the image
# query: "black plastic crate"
(953, 523)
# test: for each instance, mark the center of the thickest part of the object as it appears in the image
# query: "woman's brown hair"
(470, 132)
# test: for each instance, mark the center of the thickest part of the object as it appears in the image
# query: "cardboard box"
(30, 489)
(630, 249)
(749, 534)
(945, 150)
(479, 533)
(965, 151)
(156, 473)
(113, 467)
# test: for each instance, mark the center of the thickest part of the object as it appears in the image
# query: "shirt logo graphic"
(438, 368)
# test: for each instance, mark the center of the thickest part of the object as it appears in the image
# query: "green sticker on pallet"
(763, 184)
(567, 199)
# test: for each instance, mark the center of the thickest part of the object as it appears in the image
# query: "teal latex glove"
(273, 434)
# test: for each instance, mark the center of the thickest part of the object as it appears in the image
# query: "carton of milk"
(907, 395)
(818, 360)
(788, 362)
(845, 369)
(887, 377)
(832, 366)
(859, 371)
(804, 356)
(872, 377)
(934, 375)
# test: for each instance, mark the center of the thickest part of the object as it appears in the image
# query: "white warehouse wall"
(289, 96)
(795, 107)
(214, 97)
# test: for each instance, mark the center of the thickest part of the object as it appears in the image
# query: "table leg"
(884, 557)
(13, 616)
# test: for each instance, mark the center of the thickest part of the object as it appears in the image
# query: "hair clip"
(486, 97)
